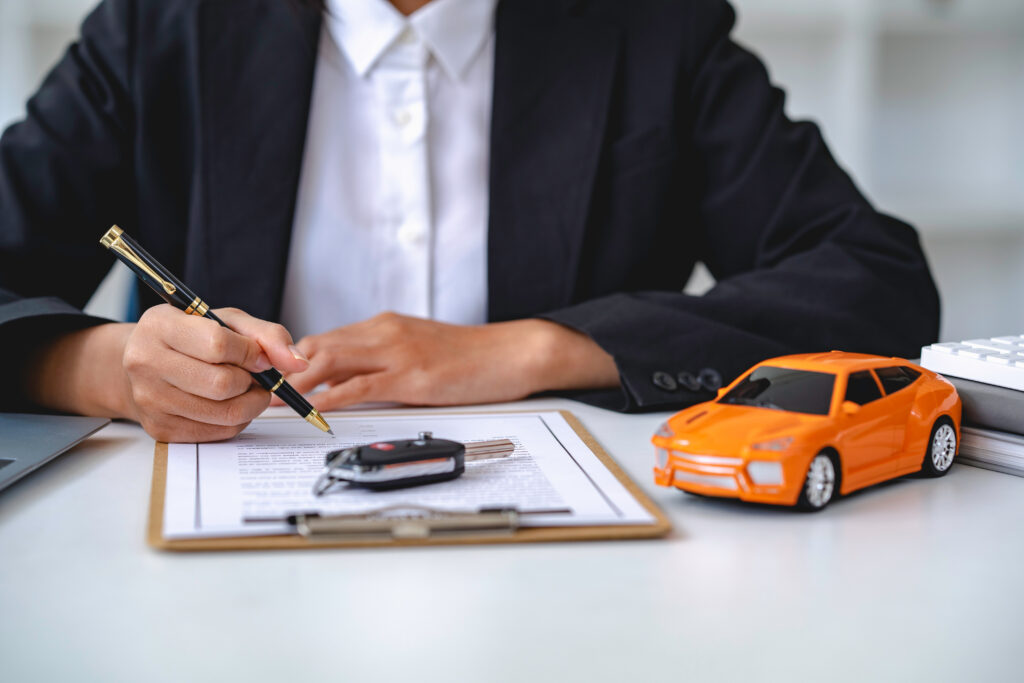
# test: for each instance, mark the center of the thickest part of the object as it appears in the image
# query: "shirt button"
(403, 117)
(664, 381)
(406, 37)
(410, 236)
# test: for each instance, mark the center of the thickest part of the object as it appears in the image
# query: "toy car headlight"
(765, 473)
(664, 431)
(661, 458)
(774, 444)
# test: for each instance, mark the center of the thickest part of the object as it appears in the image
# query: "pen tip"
(317, 420)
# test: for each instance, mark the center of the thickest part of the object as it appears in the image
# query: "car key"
(397, 464)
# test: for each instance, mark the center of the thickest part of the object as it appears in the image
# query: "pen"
(174, 292)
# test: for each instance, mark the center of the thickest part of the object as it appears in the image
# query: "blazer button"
(688, 381)
(664, 381)
(710, 379)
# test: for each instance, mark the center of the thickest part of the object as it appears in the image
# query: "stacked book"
(993, 450)
(987, 374)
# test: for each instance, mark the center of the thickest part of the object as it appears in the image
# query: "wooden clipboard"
(659, 528)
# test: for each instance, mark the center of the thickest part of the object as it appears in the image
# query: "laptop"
(30, 441)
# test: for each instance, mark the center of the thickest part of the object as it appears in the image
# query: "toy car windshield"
(797, 391)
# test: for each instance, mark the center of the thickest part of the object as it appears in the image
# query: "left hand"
(397, 358)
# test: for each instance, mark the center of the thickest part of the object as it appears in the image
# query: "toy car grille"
(716, 481)
(695, 460)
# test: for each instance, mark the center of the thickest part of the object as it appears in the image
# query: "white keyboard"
(998, 361)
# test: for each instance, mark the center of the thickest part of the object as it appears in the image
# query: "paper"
(269, 469)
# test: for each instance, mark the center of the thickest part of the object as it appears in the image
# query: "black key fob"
(394, 464)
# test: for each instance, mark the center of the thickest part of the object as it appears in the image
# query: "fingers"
(216, 382)
(205, 340)
(174, 429)
(336, 364)
(170, 414)
(361, 361)
(382, 330)
(377, 386)
(273, 339)
(233, 412)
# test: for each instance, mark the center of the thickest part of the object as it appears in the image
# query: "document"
(267, 473)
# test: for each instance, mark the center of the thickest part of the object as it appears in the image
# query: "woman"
(526, 186)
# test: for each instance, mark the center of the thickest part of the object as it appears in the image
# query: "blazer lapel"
(256, 66)
(553, 76)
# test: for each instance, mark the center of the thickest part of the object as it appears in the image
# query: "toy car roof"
(834, 361)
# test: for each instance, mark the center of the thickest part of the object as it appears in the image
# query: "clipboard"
(661, 526)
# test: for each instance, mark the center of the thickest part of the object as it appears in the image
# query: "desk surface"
(913, 580)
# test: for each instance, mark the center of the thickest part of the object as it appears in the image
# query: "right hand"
(187, 378)
(182, 377)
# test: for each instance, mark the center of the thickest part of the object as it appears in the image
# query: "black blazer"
(629, 141)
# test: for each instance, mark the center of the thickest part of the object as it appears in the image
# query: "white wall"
(922, 100)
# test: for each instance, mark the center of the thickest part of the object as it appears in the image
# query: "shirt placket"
(401, 88)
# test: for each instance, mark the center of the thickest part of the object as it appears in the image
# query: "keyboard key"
(1015, 341)
(948, 347)
(998, 361)
(991, 345)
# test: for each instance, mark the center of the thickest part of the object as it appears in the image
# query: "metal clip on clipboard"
(406, 522)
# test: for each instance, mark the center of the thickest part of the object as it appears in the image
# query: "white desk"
(914, 580)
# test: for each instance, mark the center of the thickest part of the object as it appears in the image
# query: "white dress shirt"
(392, 205)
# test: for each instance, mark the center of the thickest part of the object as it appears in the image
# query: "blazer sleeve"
(802, 261)
(65, 175)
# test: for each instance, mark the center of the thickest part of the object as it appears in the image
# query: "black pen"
(173, 291)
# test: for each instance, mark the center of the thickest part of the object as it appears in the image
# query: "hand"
(182, 377)
(422, 362)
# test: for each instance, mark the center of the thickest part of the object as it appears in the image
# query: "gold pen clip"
(112, 240)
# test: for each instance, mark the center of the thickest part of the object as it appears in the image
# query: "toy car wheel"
(821, 483)
(941, 449)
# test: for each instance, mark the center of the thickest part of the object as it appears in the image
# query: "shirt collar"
(454, 31)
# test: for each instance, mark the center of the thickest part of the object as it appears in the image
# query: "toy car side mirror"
(850, 408)
(721, 392)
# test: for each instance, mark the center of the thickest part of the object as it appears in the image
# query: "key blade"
(489, 450)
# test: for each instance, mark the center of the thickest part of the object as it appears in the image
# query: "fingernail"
(298, 355)
(262, 363)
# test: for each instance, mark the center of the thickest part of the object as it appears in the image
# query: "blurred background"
(921, 100)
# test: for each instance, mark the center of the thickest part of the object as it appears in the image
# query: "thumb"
(273, 338)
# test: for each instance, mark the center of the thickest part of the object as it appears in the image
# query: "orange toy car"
(798, 430)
